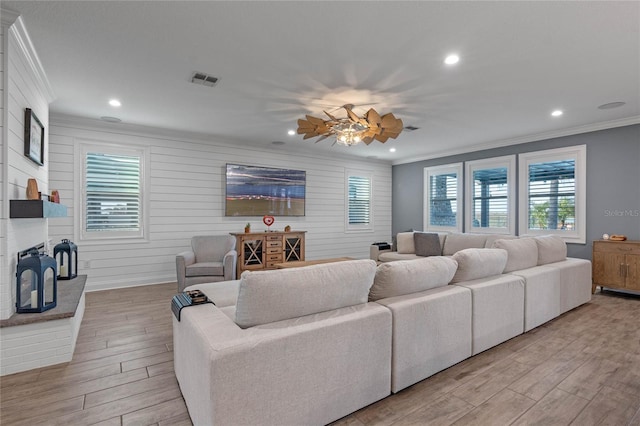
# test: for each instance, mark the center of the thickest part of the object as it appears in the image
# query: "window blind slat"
(113, 192)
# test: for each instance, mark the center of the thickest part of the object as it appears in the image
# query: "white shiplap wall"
(24, 86)
(186, 198)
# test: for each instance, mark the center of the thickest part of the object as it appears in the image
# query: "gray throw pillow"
(427, 244)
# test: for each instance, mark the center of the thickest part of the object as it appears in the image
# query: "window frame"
(435, 171)
(365, 227)
(577, 153)
(508, 161)
(110, 237)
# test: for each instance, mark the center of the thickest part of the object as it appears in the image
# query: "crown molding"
(594, 127)
(8, 17)
(24, 45)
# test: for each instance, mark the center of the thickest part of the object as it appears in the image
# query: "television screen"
(259, 191)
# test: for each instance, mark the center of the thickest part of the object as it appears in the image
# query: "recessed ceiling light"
(557, 113)
(612, 105)
(392, 150)
(451, 59)
(291, 132)
(277, 143)
(114, 103)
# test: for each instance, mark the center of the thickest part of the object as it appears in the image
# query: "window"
(490, 195)
(552, 193)
(359, 201)
(443, 192)
(112, 192)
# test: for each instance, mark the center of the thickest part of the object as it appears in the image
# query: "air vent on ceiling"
(204, 79)
(410, 128)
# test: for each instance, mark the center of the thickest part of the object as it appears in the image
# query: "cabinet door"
(608, 269)
(252, 256)
(633, 272)
(293, 248)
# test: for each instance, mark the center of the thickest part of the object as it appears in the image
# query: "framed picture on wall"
(33, 137)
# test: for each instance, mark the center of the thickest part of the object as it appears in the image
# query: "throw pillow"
(474, 263)
(522, 253)
(551, 249)
(411, 276)
(394, 240)
(405, 243)
(427, 244)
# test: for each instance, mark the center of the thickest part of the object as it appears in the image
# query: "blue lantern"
(66, 255)
(37, 283)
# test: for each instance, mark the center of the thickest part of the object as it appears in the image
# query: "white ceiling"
(277, 61)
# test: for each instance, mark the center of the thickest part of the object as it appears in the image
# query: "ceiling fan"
(352, 129)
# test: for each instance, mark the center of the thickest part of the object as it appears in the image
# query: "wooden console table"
(616, 264)
(263, 250)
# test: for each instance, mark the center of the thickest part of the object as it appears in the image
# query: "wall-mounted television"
(259, 191)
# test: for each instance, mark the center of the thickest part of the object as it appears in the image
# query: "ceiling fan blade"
(367, 140)
(315, 120)
(333, 118)
(354, 117)
(373, 117)
(310, 135)
(382, 138)
(388, 120)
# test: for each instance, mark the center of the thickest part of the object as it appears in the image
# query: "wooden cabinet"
(616, 264)
(262, 250)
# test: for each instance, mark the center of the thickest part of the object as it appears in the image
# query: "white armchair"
(212, 258)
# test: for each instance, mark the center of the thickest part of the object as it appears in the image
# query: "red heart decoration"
(268, 220)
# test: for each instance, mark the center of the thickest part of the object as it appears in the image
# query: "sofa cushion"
(491, 238)
(551, 249)
(456, 242)
(268, 296)
(427, 244)
(522, 253)
(405, 243)
(204, 268)
(477, 263)
(411, 276)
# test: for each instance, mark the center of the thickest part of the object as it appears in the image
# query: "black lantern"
(67, 259)
(37, 283)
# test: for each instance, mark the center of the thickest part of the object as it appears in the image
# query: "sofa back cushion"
(491, 238)
(268, 296)
(456, 242)
(522, 253)
(551, 249)
(405, 243)
(477, 263)
(411, 276)
(427, 244)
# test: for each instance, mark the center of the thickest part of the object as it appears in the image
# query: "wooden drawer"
(272, 250)
(274, 244)
(274, 258)
(273, 264)
(619, 247)
(274, 238)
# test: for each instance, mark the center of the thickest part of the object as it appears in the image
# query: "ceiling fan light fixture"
(353, 129)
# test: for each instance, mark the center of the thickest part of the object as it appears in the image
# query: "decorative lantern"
(37, 283)
(67, 260)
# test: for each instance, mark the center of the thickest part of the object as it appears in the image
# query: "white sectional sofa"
(311, 345)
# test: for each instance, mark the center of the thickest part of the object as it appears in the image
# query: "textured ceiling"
(277, 61)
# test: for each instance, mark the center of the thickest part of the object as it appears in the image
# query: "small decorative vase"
(32, 189)
(55, 196)
(247, 229)
(287, 228)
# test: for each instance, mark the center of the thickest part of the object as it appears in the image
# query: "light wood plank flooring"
(582, 368)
